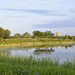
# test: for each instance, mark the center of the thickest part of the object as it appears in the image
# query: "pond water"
(43, 51)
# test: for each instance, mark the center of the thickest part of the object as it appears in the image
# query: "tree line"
(36, 34)
(39, 34)
(5, 34)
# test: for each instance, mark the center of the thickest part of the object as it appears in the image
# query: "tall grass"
(30, 66)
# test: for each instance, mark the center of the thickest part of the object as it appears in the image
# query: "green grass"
(30, 66)
(23, 40)
(30, 41)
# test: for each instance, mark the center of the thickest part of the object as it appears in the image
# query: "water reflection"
(39, 49)
(67, 46)
(58, 47)
(48, 51)
(43, 50)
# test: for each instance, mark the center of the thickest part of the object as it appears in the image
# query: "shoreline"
(37, 43)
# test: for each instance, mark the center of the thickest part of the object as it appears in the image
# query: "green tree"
(66, 36)
(17, 35)
(1, 32)
(37, 33)
(49, 34)
(26, 34)
(70, 37)
(6, 34)
(43, 34)
(52, 35)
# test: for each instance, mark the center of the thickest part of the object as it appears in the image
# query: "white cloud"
(68, 0)
(44, 2)
(23, 4)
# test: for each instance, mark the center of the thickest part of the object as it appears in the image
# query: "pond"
(61, 53)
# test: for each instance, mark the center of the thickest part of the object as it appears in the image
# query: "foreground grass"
(30, 66)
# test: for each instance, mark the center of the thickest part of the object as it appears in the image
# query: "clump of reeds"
(31, 66)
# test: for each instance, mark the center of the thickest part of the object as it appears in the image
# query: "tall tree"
(26, 34)
(6, 34)
(43, 34)
(37, 33)
(17, 35)
(66, 36)
(1, 32)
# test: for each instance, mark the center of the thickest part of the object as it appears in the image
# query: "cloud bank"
(72, 10)
(41, 12)
(57, 24)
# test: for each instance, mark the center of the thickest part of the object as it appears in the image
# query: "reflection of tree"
(66, 46)
(70, 45)
(40, 49)
(43, 50)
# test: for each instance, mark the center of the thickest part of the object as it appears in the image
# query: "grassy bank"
(29, 66)
(30, 41)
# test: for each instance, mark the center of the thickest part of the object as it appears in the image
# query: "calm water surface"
(58, 52)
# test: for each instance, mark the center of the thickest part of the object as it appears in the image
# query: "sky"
(20, 16)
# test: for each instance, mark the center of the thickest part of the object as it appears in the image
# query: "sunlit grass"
(31, 41)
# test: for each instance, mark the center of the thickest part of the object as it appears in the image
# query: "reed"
(31, 66)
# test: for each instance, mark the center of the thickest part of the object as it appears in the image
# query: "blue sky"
(21, 16)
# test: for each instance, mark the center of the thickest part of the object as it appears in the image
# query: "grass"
(30, 41)
(30, 66)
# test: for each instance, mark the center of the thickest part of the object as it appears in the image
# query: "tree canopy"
(26, 34)
(43, 34)
(4, 33)
(17, 35)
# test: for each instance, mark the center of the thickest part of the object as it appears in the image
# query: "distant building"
(58, 34)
